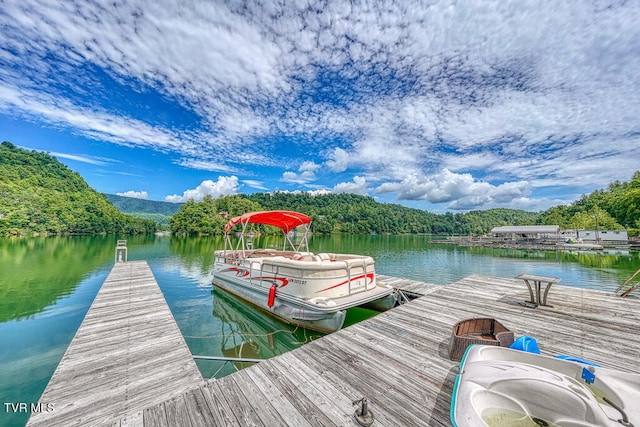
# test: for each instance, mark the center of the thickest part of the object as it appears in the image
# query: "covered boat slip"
(399, 359)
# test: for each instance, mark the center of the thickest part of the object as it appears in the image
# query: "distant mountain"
(133, 205)
(147, 209)
(40, 195)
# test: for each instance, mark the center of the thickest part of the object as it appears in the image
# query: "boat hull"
(289, 311)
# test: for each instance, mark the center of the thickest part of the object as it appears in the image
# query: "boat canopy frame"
(287, 221)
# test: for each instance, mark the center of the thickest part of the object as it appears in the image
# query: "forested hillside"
(38, 194)
(132, 205)
(153, 210)
(616, 207)
(342, 213)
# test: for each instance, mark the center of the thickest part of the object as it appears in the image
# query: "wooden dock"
(127, 355)
(411, 288)
(399, 359)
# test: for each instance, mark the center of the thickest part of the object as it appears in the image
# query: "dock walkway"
(399, 359)
(127, 355)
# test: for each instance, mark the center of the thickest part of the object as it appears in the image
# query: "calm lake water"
(48, 284)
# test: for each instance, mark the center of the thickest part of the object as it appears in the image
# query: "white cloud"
(357, 186)
(224, 186)
(205, 165)
(319, 192)
(258, 185)
(307, 173)
(339, 160)
(83, 158)
(544, 95)
(309, 166)
(134, 194)
(460, 191)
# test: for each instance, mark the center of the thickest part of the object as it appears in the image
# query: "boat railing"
(348, 268)
(364, 273)
(277, 265)
(252, 266)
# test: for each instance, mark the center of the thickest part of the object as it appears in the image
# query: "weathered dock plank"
(411, 287)
(127, 355)
(399, 359)
(261, 382)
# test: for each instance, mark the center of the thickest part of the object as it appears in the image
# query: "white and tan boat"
(298, 286)
(499, 386)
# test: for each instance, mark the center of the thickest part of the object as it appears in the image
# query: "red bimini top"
(285, 220)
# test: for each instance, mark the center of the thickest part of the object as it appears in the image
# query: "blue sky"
(439, 105)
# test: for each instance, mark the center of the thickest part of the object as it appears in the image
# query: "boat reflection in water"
(247, 333)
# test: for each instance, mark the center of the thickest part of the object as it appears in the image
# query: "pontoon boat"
(298, 286)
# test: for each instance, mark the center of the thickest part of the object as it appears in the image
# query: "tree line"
(40, 195)
(341, 213)
(614, 208)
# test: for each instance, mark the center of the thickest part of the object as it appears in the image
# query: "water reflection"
(47, 285)
(33, 344)
(37, 272)
(195, 251)
(247, 332)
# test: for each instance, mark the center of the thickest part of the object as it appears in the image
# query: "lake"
(48, 284)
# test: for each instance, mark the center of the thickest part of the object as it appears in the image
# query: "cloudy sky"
(440, 105)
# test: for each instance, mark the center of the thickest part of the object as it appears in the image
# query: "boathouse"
(619, 237)
(526, 232)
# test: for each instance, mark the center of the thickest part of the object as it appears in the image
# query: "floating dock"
(127, 355)
(398, 360)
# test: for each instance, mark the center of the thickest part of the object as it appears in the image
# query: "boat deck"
(127, 355)
(398, 360)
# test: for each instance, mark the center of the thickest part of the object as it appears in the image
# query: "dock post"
(121, 251)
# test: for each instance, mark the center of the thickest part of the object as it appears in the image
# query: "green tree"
(38, 194)
(595, 219)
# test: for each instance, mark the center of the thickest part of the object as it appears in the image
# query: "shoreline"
(535, 245)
